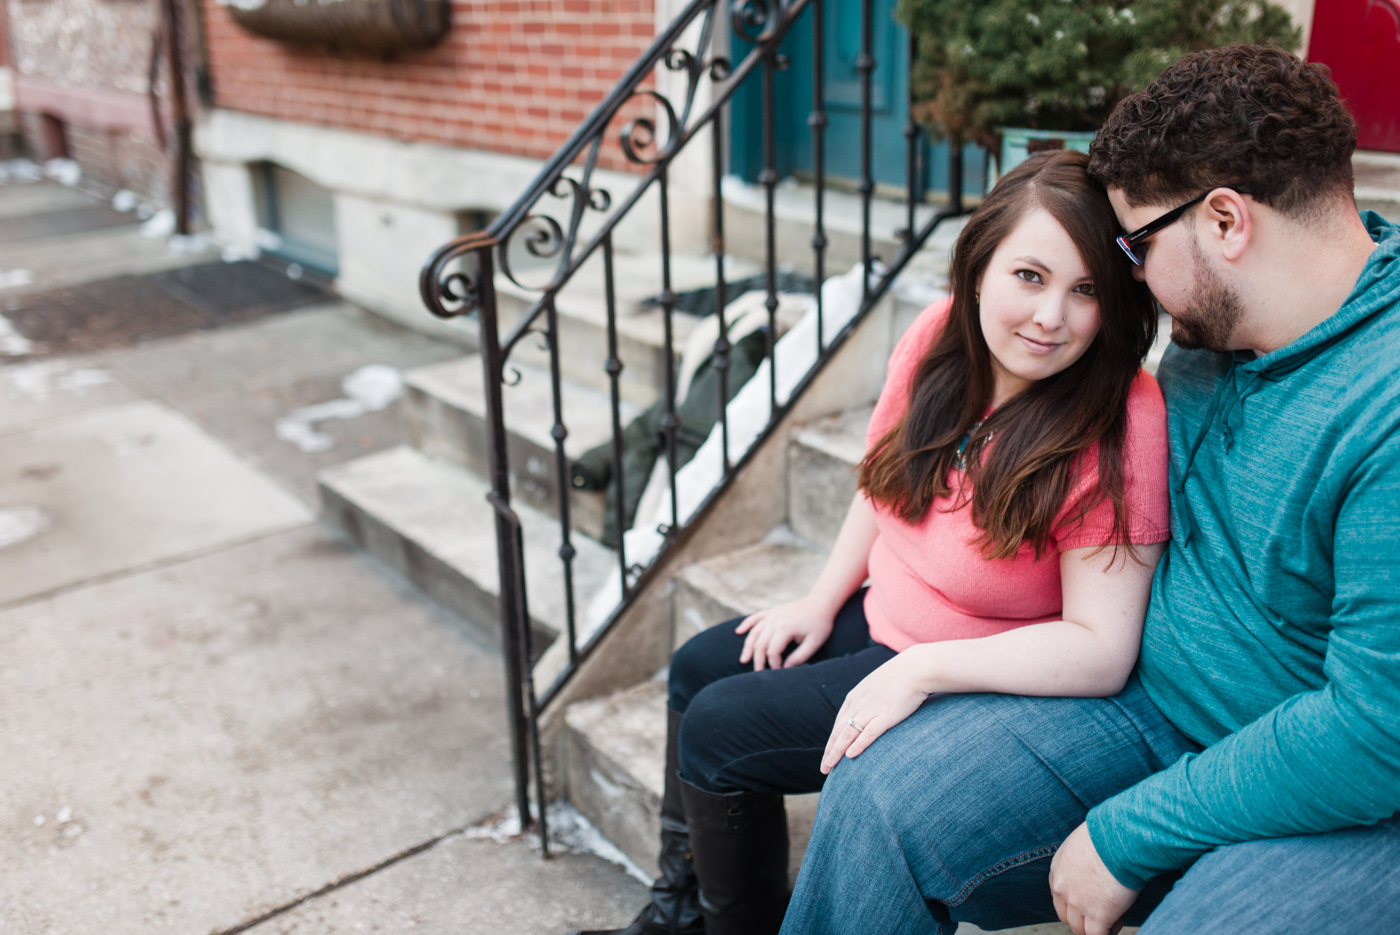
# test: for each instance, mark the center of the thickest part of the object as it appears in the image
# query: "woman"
(1012, 508)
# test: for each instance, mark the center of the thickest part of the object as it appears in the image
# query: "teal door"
(841, 41)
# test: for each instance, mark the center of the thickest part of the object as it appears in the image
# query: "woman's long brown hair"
(1020, 482)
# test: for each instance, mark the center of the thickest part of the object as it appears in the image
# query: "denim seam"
(1010, 863)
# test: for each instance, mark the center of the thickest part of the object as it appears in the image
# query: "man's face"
(1204, 309)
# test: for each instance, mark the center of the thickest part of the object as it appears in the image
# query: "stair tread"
(443, 509)
(629, 728)
(756, 576)
(842, 436)
(528, 404)
(636, 277)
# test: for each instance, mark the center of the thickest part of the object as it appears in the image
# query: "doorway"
(841, 41)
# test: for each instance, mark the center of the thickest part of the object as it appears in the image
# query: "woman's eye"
(1085, 288)
(1029, 275)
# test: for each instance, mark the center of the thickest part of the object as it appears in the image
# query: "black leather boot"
(674, 908)
(740, 842)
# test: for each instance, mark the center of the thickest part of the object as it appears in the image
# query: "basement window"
(300, 217)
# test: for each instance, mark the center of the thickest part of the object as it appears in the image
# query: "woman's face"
(1038, 308)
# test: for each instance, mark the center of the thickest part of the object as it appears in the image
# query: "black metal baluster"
(614, 369)
(817, 120)
(669, 422)
(722, 348)
(510, 554)
(531, 700)
(559, 432)
(865, 64)
(768, 177)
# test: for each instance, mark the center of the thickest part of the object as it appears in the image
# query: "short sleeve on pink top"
(929, 581)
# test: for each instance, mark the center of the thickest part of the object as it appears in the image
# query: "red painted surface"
(1360, 41)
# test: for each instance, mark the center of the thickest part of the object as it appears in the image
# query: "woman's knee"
(705, 658)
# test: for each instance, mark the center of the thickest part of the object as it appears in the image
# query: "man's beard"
(1214, 310)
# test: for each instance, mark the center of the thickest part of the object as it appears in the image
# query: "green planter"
(1018, 143)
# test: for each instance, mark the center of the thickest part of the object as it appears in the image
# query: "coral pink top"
(931, 582)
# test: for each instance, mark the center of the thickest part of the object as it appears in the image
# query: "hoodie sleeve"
(1319, 761)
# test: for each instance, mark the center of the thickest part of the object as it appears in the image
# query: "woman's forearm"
(1058, 658)
(848, 564)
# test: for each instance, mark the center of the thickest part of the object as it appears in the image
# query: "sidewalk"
(213, 718)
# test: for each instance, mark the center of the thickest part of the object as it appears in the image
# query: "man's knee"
(1340, 882)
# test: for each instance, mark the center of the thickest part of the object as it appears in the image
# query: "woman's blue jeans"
(955, 814)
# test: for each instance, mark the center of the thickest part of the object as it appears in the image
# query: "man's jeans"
(955, 814)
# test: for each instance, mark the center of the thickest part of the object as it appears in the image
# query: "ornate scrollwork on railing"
(639, 134)
(753, 20)
(452, 293)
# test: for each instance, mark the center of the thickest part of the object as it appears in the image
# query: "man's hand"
(1088, 898)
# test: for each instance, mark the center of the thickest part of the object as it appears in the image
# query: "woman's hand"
(804, 622)
(882, 699)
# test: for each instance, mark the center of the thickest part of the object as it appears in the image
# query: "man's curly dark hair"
(1247, 115)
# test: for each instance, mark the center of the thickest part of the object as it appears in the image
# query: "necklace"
(962, 445)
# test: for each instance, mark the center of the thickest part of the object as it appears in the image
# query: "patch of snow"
(12, 343)
(64, 171)
(568, 831)
(20, 524)
(124, 201)
(235, 254)
(16, 277)
(39, 380)
(266, 240)
(20, 170)
(159, 225)
(181, 244)
(368, 389)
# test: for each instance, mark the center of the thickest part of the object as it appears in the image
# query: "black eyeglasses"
(1130, 242)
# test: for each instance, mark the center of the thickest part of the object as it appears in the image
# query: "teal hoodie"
(1273, 634)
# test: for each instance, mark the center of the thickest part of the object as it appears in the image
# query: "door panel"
(1360, 41)
(889, 106)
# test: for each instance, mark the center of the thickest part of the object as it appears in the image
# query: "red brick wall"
(513, 76)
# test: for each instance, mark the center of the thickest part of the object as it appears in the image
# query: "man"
(1247, 778)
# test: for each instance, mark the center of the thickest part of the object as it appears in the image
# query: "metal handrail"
(450, 291)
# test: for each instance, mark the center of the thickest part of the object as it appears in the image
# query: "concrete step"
(616, 760)
(429, 523)
(745, 226)
(822, 457)
(582, 307)
(738, 583)
(1378, 182)
(444, 415)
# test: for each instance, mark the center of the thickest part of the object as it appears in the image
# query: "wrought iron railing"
(565, 218)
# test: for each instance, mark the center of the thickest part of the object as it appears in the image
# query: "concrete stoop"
(738, 583)
(821, 472)
(616, 760)
(444, 415)
(614, 746)
(429, 522)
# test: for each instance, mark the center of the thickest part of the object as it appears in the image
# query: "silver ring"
(852, 722)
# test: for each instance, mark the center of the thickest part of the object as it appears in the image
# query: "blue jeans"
(954, 815)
